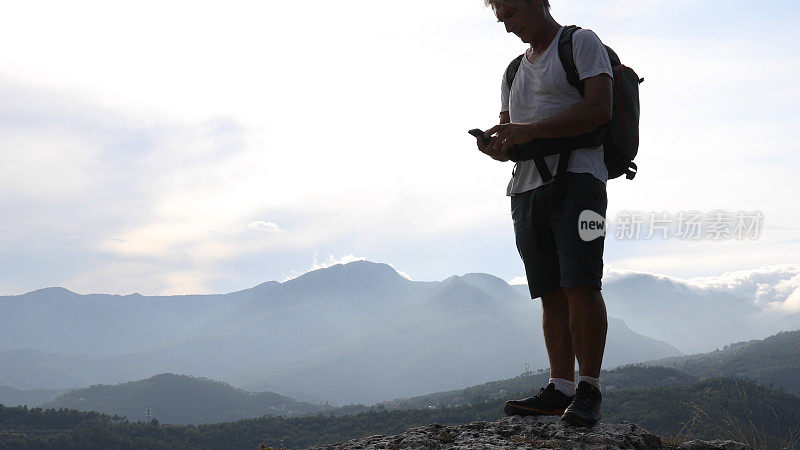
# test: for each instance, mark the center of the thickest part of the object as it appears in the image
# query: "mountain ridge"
(428, 336)
(179, 399)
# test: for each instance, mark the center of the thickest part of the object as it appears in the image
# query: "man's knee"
(584, 298)
(556, 299)
(581, 292)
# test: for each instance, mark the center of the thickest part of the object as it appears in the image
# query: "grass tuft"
(747, 429)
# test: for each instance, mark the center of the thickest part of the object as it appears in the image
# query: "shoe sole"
(578, 422)
(515, 410)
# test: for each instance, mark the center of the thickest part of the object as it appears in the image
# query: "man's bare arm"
(505, 117)
(585, 116)
(594, 110)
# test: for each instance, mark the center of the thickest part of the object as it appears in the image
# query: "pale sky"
(200, 147)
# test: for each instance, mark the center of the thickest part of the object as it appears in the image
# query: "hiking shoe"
(584, 411)
(548, 402)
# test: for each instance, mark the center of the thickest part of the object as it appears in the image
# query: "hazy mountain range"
(702, 314)
(355, 333)
(773, 362)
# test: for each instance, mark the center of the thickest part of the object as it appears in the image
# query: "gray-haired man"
(562, 269)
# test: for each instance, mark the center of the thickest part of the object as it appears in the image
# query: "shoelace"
(540, 394)
(543, 392)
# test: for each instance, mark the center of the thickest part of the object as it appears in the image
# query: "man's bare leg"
(557, 337)
(555, 322)
(588, 325)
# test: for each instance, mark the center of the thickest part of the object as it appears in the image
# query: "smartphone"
(479, 134)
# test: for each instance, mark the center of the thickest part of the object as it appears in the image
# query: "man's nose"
(508, 27)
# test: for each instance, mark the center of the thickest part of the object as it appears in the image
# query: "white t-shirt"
(541, 90)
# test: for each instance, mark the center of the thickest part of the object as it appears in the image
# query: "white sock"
(591, 380)
(565, 386)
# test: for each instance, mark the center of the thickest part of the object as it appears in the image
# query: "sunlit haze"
(206, 147)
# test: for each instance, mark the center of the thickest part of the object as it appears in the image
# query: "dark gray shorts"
(548, 239)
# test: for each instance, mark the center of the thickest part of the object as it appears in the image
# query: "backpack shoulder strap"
(511, 70)
(567, 58)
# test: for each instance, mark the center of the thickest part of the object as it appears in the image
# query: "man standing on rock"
(561, 267)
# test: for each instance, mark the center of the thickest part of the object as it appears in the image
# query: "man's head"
(525, 18)
(494, 3)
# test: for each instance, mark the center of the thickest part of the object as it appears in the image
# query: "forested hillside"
(708, 409)
(180, 399)
(774, 361)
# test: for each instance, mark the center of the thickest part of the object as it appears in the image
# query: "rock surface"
(542, 432)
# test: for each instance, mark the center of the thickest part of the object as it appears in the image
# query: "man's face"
(520, 18)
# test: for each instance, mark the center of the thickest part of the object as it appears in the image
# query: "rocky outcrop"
(543, 432)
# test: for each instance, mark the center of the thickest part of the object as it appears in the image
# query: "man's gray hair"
(494, 3)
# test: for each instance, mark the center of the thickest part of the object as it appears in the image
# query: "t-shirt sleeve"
(504, 95)
(591, 56)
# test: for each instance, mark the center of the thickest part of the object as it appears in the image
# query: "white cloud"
(518, 280)
(268, 227)
(692, 258)
(751, 279)
(332, 261)
(46, 166)
(775, 288)
(316, 264)
(792, 303)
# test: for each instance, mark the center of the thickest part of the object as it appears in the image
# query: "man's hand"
(509, 134)
(488, 148)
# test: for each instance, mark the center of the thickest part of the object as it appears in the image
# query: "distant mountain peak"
(482, 275)
(168, 376)
(50, 291)
(358, 270)
(364, 265)
(457, 291)
(180, 399)
(492, 285)
(485, 279)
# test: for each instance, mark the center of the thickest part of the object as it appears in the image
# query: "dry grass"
(734, 428)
